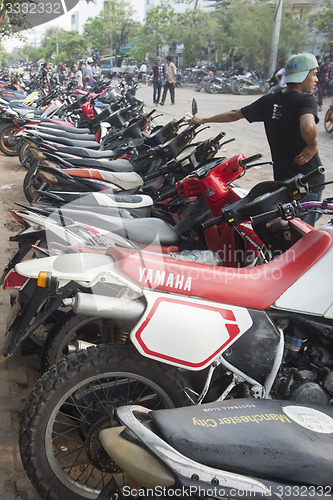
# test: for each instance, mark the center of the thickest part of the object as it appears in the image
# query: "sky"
(86, 10)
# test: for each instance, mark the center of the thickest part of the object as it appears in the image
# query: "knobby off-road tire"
(72, 402)
(8, 142)
(75, 327)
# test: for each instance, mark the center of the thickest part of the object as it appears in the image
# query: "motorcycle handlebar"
(167, 194)
(213, 222)
(305, 178)
(244, 161)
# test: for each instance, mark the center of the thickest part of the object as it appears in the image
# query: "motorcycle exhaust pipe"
(106, 307)
(78, 346)
(138, 463)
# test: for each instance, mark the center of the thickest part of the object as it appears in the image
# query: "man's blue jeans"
(157, 86)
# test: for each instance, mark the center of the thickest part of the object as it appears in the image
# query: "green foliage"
(323, 21)
(124, 28)
(245, 29)
(159, 29)
(197, 30)
(3, 57)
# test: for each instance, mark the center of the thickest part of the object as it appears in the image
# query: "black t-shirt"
(280, 113)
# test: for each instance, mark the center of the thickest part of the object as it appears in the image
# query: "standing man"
(171, 78)
(290, 117)
(158, 78)
(142, 71)
(45, 74)
(87, 73)
(77, 76)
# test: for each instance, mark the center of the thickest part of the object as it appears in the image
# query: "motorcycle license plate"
(13, 313)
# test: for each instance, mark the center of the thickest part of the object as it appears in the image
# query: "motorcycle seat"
(118, 165)
(278, 440)
(125, 180)
(106, 221)
(68, 142)
(235, 286)
(85, 152)
(67, 133)
(100, 200)
(57, 126)
(27, 110)
(146, 231)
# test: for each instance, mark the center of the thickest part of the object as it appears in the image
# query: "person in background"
(170, 81)
(87, 75)
(323, 74)
(63, 73)
(142, 71)
(31, 73)
(290, 119)
(77, 75)
(279, 77)
(158, 78)
(45, 74)
(96, 70)
(131, 71)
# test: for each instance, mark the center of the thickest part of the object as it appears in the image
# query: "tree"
(198, 30)
(324, 23)
(124, 28)
(159, 29)
(245, 29)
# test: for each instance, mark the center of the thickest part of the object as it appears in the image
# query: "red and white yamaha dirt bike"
(230, 244)
(192, 333)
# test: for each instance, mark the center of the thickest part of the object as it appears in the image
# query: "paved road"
(18, 374)
(249, 138)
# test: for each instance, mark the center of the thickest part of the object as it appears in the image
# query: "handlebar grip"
(167, 194)
(150, 113)
(213, 222)
(244, 161)
(304, 179)
(219, 136)
(153, 175)
(266, 217)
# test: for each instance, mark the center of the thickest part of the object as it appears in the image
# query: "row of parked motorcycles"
(184, 326)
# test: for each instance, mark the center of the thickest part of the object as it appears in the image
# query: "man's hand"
(306, 155)
(196, 120)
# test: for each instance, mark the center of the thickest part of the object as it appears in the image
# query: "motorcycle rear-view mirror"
(194, 107)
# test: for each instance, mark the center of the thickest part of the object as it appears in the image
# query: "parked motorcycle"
(271, 342)
(250, 83)
(216, 451)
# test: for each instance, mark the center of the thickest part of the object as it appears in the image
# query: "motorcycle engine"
(301, 386)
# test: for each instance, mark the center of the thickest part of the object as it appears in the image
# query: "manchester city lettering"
(161, 278)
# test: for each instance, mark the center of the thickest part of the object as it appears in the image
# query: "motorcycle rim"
(73, 402)
(328, 121)
(23, 152)
(31, 183)
(8, 141)
(242, 88)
